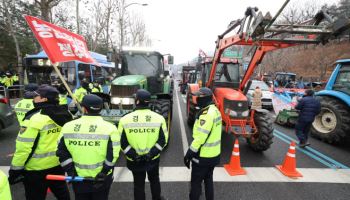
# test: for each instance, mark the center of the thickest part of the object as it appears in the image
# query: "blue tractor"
(333, 123)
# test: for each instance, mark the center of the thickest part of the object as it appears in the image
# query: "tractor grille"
(124, 90)
(238, 106)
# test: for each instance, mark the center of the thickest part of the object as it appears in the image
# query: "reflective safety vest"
(15, 78)
(142, 128)
(80, 93)
(207, 133)
(97, 89)
(5, 192)
(63, 99)
(86, 140)
(22, 107)
(41, 134)
(7, 81)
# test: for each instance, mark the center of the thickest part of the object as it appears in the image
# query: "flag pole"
(55, 66)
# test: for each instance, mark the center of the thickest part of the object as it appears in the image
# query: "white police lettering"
(142, 130)
(84, 143)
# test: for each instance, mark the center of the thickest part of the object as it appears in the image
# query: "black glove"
(138, 158)
(147, 157)
(72, 173)
(99, 180)
(188, 157)
(15, 176)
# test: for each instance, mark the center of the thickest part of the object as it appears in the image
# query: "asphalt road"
(320, 157)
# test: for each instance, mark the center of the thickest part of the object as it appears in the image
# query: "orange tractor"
(223, 77)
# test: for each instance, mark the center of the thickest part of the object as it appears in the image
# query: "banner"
(59, 44)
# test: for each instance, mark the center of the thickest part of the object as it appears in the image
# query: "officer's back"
(25, 104)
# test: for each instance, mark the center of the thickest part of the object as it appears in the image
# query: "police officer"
(26, 104)
(82, 91)
(143, 136)
(63, 95)
(96, 87)
(204, 151)
(5, 193)
(36, 146)
(90, 147)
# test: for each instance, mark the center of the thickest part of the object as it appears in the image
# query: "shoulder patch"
(202, 122)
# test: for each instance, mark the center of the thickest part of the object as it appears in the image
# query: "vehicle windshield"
(148, 65)
(263, 86)
(342, 83)
(227, 72)
(284, 79)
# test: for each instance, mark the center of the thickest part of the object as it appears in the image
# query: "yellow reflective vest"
(22, 107)
(42, 131)
(7, 81)
(207, 133)
(5, 192)
(87, 140)
(142, 129)
(80, 93)
(63, 99)
(97, 89)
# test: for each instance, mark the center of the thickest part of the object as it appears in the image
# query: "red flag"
(59, 44)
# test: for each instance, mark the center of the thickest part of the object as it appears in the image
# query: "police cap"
(92, 103)
(46, 91)
(204, 91)
(143, 95)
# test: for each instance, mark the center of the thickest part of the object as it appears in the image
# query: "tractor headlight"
(124, 101)
(245, 113)
(231, 112)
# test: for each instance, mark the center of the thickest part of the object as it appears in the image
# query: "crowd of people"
(53, 141)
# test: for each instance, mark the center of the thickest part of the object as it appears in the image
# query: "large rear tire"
(190, 110)
(264, 138)
(164, 108)
(332, 125)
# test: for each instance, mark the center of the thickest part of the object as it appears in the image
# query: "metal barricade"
(15, 91)
(3, 91)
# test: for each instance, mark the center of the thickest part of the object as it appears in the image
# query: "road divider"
(311, 152)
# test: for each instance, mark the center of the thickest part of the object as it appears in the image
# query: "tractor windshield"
(227, 72)
(342, 83)
(145, 64)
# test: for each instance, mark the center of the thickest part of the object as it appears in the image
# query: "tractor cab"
(285, 79)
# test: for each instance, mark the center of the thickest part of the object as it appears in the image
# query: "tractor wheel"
(163, 107)
(190, 111)
(263, 139)
(333, 123)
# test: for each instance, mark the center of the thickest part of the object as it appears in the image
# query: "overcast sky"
(182, 27)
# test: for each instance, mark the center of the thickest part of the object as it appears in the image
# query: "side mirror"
(170, 60)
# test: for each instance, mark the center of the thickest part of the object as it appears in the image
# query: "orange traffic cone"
(288, 168)
(234, 167)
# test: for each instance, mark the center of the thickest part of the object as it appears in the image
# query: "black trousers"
(100, 195)
(198, 175)
(36, 185)
(302, 129)
(139, 183)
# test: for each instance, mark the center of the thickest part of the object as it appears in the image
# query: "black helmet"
(143, 95)
(204, 97)
(92, 103)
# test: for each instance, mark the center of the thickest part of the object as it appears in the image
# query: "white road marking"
(254, 174)
(184, 98)
(182, 126)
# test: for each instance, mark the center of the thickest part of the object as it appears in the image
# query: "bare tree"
(8, 6)
(137, 31)
(46, 8)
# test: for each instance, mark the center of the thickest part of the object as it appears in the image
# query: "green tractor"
(140, 69)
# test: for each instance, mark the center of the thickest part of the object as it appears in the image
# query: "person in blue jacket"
(308, 108)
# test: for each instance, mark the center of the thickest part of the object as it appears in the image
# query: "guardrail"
(12, 92)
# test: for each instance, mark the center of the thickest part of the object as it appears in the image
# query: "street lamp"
(121, 20)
